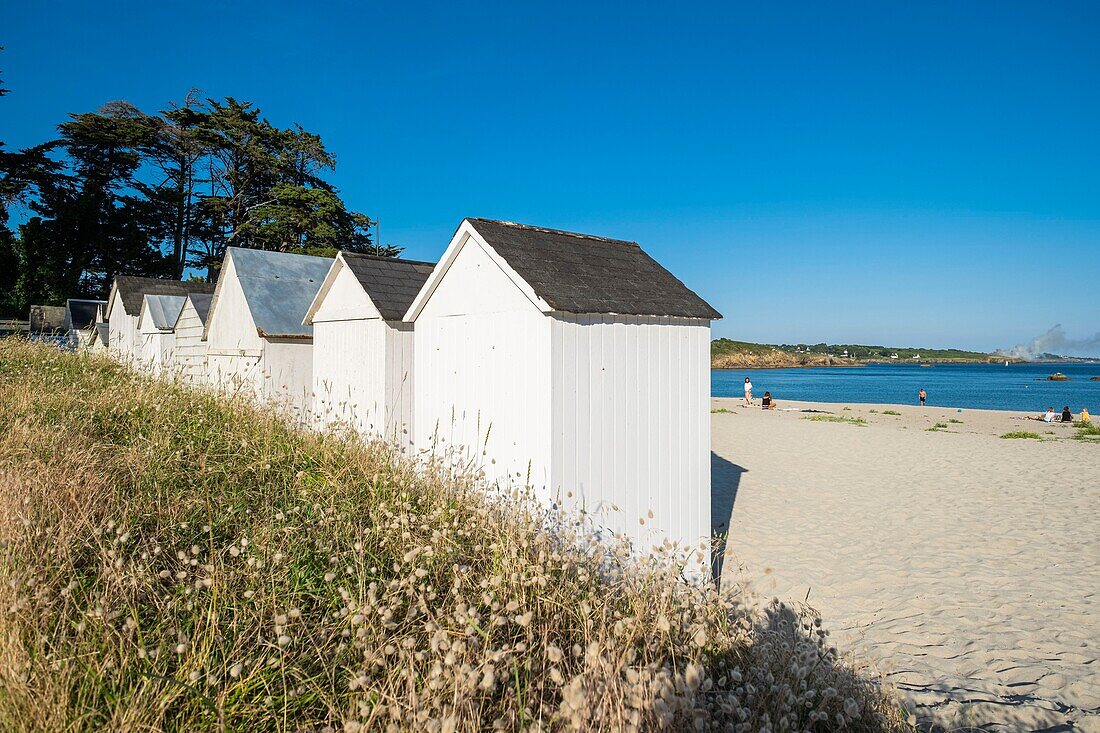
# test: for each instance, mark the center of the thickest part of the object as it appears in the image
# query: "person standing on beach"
(748, 392)
(922, 395)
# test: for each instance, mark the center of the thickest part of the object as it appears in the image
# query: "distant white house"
(124, 308)
(362, 350)
(189, 359)
(573, 364)
(156, 329)
(256, 342)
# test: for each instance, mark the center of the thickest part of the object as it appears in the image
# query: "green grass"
(940, 427)
(1022, 435)
(1087, 431)
(722, 410)
(891, 412)
(953, 421)
(173, 560)
(836, 418)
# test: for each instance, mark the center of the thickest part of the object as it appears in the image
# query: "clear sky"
(912, 173)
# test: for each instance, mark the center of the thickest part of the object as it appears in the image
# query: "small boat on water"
(1058, 377)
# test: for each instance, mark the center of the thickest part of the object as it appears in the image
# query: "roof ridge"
(364, 255)
(548, 230)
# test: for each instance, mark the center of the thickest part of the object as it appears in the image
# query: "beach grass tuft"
(836, 418)
(891, 412)
(1086, 431)
(170, 559)
(1022, 435)
(722, 411)
(953, 421)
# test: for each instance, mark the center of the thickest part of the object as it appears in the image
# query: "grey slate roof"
(201, 303)
(279, 288)
(581, 273)
(80, 314)
(391, 284)
(131, 288)
(163, 310)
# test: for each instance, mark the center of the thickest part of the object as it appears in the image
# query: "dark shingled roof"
(81, 314)
(580, 273)
(201, 303)
(391, 284)
(131, 288)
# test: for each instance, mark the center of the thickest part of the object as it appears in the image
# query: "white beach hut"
(80, 318)
(362, 351)
(573, 364)
(99, 338)
(156, 329)
(124, 308)
(256, 341)
(189, 358)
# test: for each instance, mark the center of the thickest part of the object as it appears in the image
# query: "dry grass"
(170, 560)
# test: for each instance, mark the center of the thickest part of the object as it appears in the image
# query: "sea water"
(979, 386)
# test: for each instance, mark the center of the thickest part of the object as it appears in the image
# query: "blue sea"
(976, 386)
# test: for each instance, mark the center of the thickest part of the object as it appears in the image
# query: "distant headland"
(729, 354)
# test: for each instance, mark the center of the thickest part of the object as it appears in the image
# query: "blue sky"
(912, 173)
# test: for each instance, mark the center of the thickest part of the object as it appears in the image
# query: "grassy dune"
(169, 560)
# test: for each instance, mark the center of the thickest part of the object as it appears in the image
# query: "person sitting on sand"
(1067, 416)
(768, 403)
(1049, 416)
(1085, 416)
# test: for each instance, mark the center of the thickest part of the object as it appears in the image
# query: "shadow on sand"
(725, 479)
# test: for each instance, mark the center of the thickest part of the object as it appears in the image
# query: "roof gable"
(278, 288)
(392, 284)
(160, 311)
(201, 303)
(581, 273)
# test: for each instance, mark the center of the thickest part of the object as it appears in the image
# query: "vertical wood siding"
(156, 352)
(631, 410)
(362, 377)
(482, 373)
(349, 374)
(123, 336)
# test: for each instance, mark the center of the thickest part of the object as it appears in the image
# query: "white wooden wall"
(631, 422)
(482, 372)
(400, 383)
(156, 351)
(233, 347)
(362, 364)
(123, 337)
(349, 378)
(287, 368)
(189, 358)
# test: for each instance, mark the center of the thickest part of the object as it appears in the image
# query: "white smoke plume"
(1054, 341)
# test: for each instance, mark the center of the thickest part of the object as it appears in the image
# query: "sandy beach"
(965, 566)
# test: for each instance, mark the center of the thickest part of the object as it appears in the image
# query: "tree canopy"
(122, 191)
